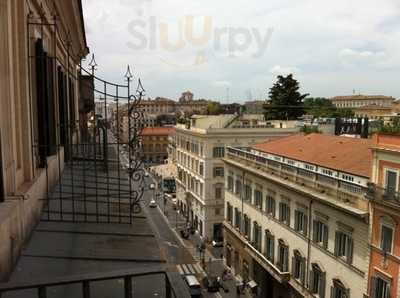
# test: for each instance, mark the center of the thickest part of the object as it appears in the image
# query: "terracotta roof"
(157, 131)
(344, 154)
(362, 97)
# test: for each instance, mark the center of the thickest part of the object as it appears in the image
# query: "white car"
(152, 203)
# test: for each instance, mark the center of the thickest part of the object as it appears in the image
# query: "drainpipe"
(309, 243)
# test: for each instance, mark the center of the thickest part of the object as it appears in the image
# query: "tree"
(213, 108)
(286, 102)
(392, 127)
(320, 107)
(306, 129)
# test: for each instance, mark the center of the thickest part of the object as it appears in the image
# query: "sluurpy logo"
(150, 33)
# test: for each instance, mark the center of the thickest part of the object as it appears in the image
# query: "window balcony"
(282, 277)
(380, 194)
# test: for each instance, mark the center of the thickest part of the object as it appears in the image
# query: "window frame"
(304, 229)
(269, 254)
(282, 246)
(348, 248)
(284, 205)
(325, 236)
(390, 226)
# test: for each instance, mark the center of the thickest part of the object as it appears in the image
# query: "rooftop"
(157, 131)
(362, 97)
(344, 154)
(386, 142)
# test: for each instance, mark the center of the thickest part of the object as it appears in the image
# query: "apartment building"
(296, 218)
(198, 149)
(39, 109)
(383, 192)
(155, 143)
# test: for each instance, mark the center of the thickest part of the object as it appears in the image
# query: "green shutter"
(349, 252)
(325, 236)
(337, 243)
(322, 285)
(305, 225)
(315, 231)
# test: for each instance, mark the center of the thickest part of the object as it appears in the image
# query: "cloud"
(355, 54)
(358, 40)
(222, 84)
(283, 70)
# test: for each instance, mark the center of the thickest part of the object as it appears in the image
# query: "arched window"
(298, 266)
(339, 290)
(269, 245)
(317, 280)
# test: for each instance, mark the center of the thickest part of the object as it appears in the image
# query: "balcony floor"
(60, 249)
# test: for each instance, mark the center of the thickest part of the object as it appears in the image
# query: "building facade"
(155, 144)
(254, 107)
(40, 84)
(198, 150)
(296, 219)
(384, 196)
(357, 101)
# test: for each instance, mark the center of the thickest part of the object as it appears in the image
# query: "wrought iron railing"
(174, 284)
(378, 193)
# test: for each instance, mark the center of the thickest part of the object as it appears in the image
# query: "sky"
(232, 51)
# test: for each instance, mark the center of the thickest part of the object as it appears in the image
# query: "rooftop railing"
(174, 285)
(342, 190)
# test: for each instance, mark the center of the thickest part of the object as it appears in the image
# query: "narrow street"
(182, 255)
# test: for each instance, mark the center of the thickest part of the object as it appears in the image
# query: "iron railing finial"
(93, 64)
(128, 75)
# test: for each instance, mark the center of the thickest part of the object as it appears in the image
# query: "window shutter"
(305, 225)
(41, 101)
(322, 285)
(332, 292)
(337, 239)
(315, 231)
(51, 122)
(303, 271)
(293, 266)
(325, 236)
(288, 215)
(347, 293)
(387, 291)
(350, 250)
(373, 287)
(273, 207)
(311, 281)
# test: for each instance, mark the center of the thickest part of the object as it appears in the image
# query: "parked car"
(194, 286)
(218, 243)
(211, 283)
(153, 203)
